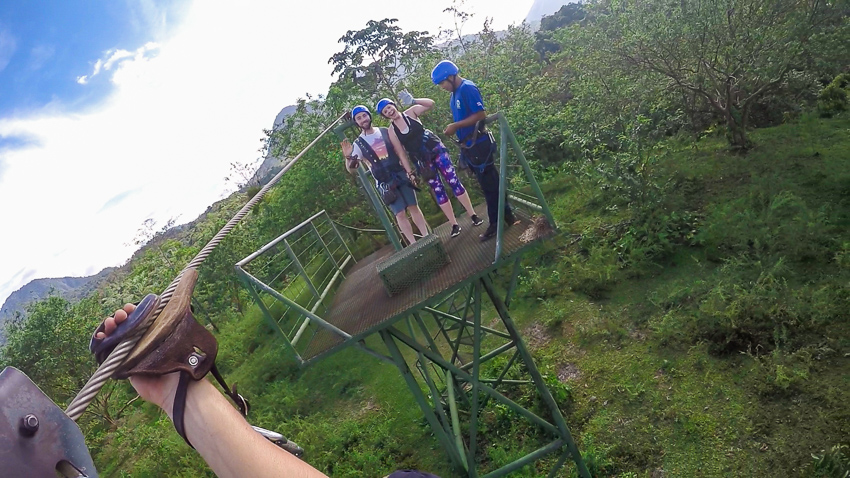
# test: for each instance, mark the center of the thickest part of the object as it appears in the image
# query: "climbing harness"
(475, 162)
(388, 174)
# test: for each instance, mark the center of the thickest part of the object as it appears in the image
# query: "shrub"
(834, 98)
(834, 463)
(742, 314)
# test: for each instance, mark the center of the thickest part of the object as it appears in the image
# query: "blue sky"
(47, 46)
(115, 112)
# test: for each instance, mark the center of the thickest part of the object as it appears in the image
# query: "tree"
(567, 15)
(730, 53)
(380, 55)
(460, 17)
(147, 232)
(242, 174)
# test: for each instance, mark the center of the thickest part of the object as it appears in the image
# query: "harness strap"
(179, 407)
(178, 412)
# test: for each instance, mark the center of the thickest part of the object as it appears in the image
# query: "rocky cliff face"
(71, 288)
(541, 8)
(272, 164)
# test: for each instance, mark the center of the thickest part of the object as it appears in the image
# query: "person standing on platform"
(387, 160)
(476, 144)
(429, 153)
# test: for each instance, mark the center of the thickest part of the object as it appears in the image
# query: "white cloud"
(182, 110)
(115, 56)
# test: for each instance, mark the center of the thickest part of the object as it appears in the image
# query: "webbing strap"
(179, 406)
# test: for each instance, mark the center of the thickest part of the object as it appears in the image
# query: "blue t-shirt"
(466, 101)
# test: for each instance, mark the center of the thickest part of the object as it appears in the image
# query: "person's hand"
(411, 176)
(157, 390)
(347, 147)
(405, 98)
(450, 129)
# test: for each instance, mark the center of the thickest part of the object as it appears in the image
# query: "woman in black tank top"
(430, 155)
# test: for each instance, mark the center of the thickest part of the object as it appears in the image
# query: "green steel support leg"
(413, 385)
(514, 275)
(535, 375)
(422, 365)
(476, 352)
(436, 399)
(443, 332)
(461, 449)
(462, 375)
(301, 269)
(450, 342)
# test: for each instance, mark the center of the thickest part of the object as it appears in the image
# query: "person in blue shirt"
(476, 145)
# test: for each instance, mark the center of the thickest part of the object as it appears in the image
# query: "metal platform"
(448, 359)
(361, 306)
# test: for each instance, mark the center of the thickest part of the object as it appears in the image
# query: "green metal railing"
(294, 275)
(516, 180)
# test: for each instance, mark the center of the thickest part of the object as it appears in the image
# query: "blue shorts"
(406, 198)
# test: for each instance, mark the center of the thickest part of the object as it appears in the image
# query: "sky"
(117, 111)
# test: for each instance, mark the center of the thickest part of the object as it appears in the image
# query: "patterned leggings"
(446, 168)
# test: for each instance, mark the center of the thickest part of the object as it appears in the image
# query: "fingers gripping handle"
(101, 348)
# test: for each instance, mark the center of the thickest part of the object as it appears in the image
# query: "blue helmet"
(383, 104)
(443, 70)
(360, 109)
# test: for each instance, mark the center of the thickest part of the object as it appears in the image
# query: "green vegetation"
(692, 316)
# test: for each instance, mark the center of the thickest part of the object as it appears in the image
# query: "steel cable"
(105, 371)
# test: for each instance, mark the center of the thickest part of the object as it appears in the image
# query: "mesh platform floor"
(361, 307)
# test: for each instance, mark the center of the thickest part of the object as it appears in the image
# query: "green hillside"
(691, 316)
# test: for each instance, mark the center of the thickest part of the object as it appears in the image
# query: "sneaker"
(456, 230)
(476, 221)
(490, 232)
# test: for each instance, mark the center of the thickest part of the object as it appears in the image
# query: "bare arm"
(420, 107)
(214, 427)
(228, 443)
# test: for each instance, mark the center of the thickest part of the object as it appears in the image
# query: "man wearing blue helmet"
(477, 147)
(387, 160)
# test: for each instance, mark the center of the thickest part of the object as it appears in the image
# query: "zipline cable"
(103, 373)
